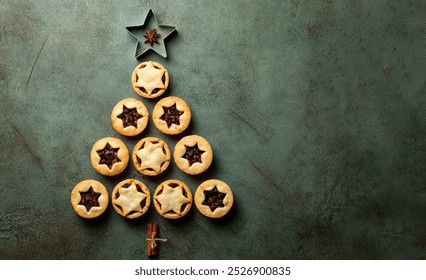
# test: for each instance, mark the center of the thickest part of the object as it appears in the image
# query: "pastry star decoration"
(150, 78)
(172, 199)
(130, 199)
(152, 156)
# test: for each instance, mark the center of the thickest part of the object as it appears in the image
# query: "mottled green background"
(315, 110)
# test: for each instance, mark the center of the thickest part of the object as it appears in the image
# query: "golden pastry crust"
(117, 153)
(150, 79)
(193, 154)
(171, 115)
(129, 117)
(131, 198)
(213, 198)
(89, 198)
(151, 156)
(172, 199)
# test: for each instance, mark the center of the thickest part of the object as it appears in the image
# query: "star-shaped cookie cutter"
(150, 23)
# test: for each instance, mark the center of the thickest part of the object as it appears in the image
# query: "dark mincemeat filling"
(214, 199)
(89, 199)
(129, 117)
(171, 115)
(193, 154)
(108, 155)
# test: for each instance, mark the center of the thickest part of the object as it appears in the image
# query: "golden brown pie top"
(151, 156)
(172, 199)
(131, 198)
(129, 117)
(150, 79)
(89, 198)
(193, 154)
(214, 198)
(109, 156)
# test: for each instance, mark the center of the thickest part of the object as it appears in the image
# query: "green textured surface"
(315, 110)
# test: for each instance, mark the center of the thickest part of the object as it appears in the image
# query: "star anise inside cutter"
(129, 117)
(171, 115)
(214, 199)
(89, 199)
(150, 23)
(151, 36)
(108, 155)
(193, 154)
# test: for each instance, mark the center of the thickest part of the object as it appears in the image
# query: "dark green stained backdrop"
(315, 110)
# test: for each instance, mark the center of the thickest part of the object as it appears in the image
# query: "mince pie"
(130, 198)
(193, 154)
(213, 198)
(151, 156)
(109, 156)
(150, 79)
(89, 198)
(171, 115)
(172, 199)
(129, 117)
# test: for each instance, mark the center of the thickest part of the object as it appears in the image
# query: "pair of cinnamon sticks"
(152, 239)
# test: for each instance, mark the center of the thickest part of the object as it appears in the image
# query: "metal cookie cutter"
(151, 35)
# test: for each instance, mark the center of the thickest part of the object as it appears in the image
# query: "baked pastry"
(89, 198)
(129, 117)
(193, 154)
(172, 199)
(150, 79)
(109, 156)
(213, 198)
(151, 156)
(130, 198)
(171, 115)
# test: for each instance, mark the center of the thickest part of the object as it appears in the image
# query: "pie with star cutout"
(193, 154)
(129, 117)
(213, 198)
(89, 199)
(150, 79)
(151, 156)
(109, 156)
(130, 198)
(172, 199)
(171, 115)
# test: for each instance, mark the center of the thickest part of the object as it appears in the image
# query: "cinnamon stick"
(151, 235)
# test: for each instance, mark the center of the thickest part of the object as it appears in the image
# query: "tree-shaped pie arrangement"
(151, 156)
(89, 198)
(172, 199)
(131, 198)
(214, 198)
(193, 154)
(109, 156)
(150, 79)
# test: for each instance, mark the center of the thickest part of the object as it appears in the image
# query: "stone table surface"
(316, 112)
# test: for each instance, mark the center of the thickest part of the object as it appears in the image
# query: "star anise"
(151, 36)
